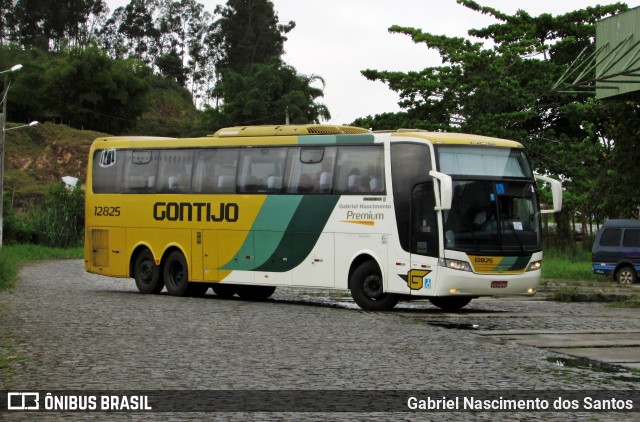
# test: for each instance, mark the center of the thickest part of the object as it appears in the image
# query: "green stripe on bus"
(364, 138)
(269, 227)
(513, 263)
(302, 234)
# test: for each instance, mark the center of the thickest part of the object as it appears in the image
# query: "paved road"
(64, 329)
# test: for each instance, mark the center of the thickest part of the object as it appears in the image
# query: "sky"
(337, 39)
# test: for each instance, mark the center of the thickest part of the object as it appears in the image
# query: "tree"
(504, 90)
(52, 25)
(249, 32)
(90, 90)
(6, 20)
(269, 94)
(254, 86)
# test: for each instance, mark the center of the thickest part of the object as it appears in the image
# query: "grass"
(560, 265)
(8, 359)
(12, 256)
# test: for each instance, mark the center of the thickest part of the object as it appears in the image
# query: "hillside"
(37, 157)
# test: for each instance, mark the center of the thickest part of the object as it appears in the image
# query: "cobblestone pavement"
(64, 329)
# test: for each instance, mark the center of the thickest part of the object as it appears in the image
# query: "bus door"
(424, 240)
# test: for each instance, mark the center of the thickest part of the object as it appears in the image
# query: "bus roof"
(309, 134)
(453, 138)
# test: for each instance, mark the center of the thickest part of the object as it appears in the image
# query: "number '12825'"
(106, 211)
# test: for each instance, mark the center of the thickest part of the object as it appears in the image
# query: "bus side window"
(261, 170)
(215, 170)
(174, 171)
(310, 169)
(360, 170)
(107, 171)
(139, 169)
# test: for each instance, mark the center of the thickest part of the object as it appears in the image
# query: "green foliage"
(25, 100)
(267, 92)
(172, 112)
(17, 227)
(568, 265)
(82, 87)
(94, 87)
(100, 74)
(50, 23)
(59, 222)
(505, 90)
(255, 86)
(249, 33)
(8, 270)
(385, 121)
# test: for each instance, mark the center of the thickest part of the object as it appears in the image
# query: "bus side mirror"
(556, 194)
(446, 190)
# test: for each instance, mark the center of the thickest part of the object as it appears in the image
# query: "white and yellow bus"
(389, 216)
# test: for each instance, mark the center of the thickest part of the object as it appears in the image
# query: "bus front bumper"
(463, 283)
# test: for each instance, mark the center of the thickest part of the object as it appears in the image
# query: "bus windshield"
(493, 217)
(483, 161)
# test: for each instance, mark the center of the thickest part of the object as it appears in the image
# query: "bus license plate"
(499, 284)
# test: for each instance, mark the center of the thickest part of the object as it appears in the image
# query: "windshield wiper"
(515, 234)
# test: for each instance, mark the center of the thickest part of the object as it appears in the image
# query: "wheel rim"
(625, 277)
(372, 286)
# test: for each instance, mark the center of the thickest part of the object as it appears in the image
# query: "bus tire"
(626, 275)
(224, 291)
(450, 303)
(367, 288)
(147, 274)
(176, 274)
(255, 292)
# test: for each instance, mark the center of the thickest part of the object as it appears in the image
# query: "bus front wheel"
(450, 303)
(176, 274)
(367, 288)
(147, 274)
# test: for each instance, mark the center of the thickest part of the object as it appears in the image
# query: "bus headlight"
(535, 265)
(454, 264)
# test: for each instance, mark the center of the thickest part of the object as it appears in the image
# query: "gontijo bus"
(389, 216)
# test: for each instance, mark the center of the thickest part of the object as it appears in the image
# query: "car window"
(610, 237)
(631, 238)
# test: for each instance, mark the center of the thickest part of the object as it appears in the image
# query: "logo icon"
(23, 401)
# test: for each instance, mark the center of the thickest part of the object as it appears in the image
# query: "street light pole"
(3, 121)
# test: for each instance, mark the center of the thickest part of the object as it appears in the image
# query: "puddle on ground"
(624, 374)
(457, 325)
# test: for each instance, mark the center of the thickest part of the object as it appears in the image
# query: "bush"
(17, 228)
(59, 221)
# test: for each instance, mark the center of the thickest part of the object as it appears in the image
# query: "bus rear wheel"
(176, 274)
(367, 288)
(147, 273)
(255, 292)
(450, 303)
